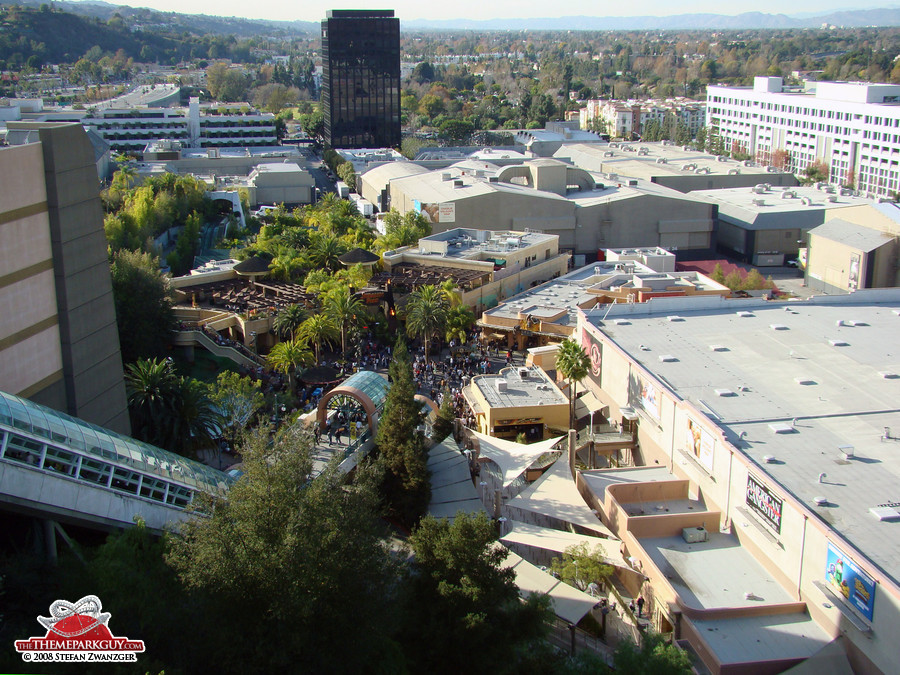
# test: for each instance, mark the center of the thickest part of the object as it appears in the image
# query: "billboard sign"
(593, 347)
(846, 578)
(436, 213)
(700, 443)
(764, 502)
(650, 399)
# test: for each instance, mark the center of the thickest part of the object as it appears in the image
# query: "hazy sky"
(476, 9)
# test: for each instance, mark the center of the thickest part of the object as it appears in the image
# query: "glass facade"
(361, 78)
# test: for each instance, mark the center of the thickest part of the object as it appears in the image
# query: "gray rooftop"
(536, 389)
(858, 236)
(778, 207)
(824, 371)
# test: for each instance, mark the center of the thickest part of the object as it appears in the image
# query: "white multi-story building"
(852, 127)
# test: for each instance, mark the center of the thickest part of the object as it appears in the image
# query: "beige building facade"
(59, 344)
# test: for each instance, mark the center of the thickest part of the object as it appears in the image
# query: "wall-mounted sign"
(845, 576)
(650, 400)
(593, 347)
(436, 213)
(700, 443)
(765, 502)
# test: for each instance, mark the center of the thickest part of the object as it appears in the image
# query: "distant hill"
(196, 24)
(747, 20)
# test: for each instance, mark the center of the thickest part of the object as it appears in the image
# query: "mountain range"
(197, 23)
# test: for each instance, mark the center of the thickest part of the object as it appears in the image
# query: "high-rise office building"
(59, 345)
(361, 78)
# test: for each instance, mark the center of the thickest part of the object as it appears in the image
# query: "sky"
(477, 9)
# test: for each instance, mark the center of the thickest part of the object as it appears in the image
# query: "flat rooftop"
(802, 380)
(747, 205)
(465, 244)
(536, 389)
(647, 160)
(714, 573)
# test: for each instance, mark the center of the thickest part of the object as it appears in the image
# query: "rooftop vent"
(622, 322)
(769, 459)
(674, 317)
(457, 183)
(667, 358)
(831, 198)
(778, 326)
(856, 323)
(803, 379)
(724, 392)
(886, 511)
(446, 176)
(745, 314)
(820, 501)
(759, 202)
(718, 348)
(523, 373)
(887, 375)
(734, 172)
(838, 343)
(493, 179)
(502, 385)
(782, 428)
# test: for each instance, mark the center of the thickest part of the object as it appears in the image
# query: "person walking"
(640, 605)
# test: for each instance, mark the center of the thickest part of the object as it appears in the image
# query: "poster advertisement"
(650, 400)
(700, 443)
(857, 587)
(764, 502)
(594, 349)
(436, 213)
(853, 274)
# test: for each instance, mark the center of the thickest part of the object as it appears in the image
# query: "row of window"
(23, 450)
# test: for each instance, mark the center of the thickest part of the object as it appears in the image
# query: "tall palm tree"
(450, 291)
(286, 357)
(426, 314)
(573, 364)
(198, 422)
(316, 330)
(288, 321)
(346, 311)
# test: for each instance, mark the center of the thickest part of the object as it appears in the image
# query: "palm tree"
(151, 385)
(451, 292)
(169, 411)
(345, 310)
(459, 321)
(285, 265)
(286, 357)
(318, 329)
(426, 314)
(573, 364)
(288, 321)
(325, 250)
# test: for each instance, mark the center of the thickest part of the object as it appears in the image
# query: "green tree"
(347, 173)
(287, 323)
(580, 567)
(573, 364)
(285, 558)
(462, 595)
(317, 330)
(653, 657)
(345, 310)
(169, 411)
(815, 172)
(459, 322)
(324, 251)
(143, 300)
(443, 425)
(401, 445)
(287, 357)
(237, 399)
(426, 314)
(718, 274)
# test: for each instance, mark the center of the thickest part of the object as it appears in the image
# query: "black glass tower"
(361, 78)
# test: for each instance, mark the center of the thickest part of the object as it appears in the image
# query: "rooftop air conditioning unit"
(493, 179)
(501, 385)
(446, 176)
(759, 202)
(831, 198)
(695, 535)
(523, 373)
(457, 184)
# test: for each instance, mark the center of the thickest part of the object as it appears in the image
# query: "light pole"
(592, 440)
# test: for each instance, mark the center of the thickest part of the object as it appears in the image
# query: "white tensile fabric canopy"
(512, 458)
(569, 604)
(558, 541)
(451, 483)
(555, 495)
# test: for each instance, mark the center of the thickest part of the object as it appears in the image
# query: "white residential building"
(853, 127)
